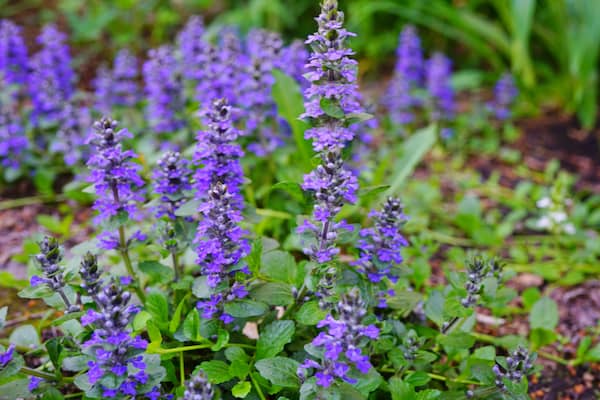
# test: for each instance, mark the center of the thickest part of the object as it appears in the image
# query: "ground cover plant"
(250, 224)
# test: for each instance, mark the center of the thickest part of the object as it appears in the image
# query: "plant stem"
(437, 377)
(44, 375)
(73, 395)
(125, 254)
(548, 356)
(257, 387)
(181, 369)
(180, 349)
(175, 260)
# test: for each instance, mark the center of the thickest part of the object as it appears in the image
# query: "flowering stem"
(436, 377)
(44, 375)
(129, 265)
(175, 265)
(257, 387)
(549, 356)
(179, 349)
(181, 369)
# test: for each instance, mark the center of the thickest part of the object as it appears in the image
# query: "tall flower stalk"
(13, 54)
(164, 90)
(219, 238)
(400, 98)
(117, 183)
(331, 99)
(52, 80)
(13, 141)
(441, 94)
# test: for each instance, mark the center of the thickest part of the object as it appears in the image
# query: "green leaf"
(241, 389)
(310, 313)
(189, 208)
(332, 108)
(36, 292)
(236, 353)
(54, 347)
(290, 105)
(413, 151)
(157, 305)
(544, 314)
(222, 339)
(280, 371)
(593, 355)
(26, 336)
(176, 320)
(273, 338)
(273, 293)
(405, 301)
(279, 266)
(239, 369)
(200, 287)
(245, 308)
(355, 118)
(292, 188)
(75, 363)
(216, 371)
(191, 326)
(156, 272)
(417, 378)
(485, 353)
(400, 390)
(434, 307)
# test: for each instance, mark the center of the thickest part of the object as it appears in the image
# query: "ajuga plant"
(186, 291)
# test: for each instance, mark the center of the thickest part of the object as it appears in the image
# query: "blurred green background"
(551, 46)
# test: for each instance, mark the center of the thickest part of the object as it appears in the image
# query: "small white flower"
(569, 229)
(544, 202)
(544, 223)
(558, 216)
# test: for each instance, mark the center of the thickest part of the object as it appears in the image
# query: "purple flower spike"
(330, 99)
(441, 95)
(342, 343)
(400, 98)
(192, 47)
(224, 69)
(505, 93)
(164, 90)
(114, 176)
(126, 91)
(217, 152)
(380, 245)
(73, 121)
(52, 80)
(198, 388)
(264, 48)
(115, 352)
(171, 180)
(13, 141)
(221, 247)
(13, 54)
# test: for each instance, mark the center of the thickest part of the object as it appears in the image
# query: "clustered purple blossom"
(115, 177)
(51, 80)
(198, 388)
(118, 87)
(171, 181)
(217, 152)
(331, 97)
(343, 343)
(164, 90)
(13, 141)
(49, 259)
(400, 98)
(505, 93)
(192, 48)
(7, 356)
(293, 61)
(224, 74)
(118, 366)
(380, 246)
(441, 94)
(13, 54)
(73, 121)
(221, 247)
(264, 50)
(519, 364)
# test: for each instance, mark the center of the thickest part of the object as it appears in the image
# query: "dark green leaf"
(332, 108)
(216, 371)
(273, 338)
(245, 308)
(279, 266)
(156, 272)
(310, 313)
(157, 305)
(273, 293)
(280, 371)
(544, 314)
